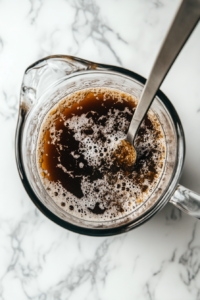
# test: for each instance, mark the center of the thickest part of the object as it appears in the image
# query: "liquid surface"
(78, 162)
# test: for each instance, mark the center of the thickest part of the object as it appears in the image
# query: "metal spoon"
(182, 26)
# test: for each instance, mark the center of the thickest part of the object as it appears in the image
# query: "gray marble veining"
(38, 259)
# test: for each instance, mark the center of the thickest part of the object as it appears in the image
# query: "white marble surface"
(38, 259)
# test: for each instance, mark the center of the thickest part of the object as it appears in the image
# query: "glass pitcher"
(51, 79)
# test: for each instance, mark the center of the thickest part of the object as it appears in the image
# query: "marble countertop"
(38, 259)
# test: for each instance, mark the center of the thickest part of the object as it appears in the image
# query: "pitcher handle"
(187, 201)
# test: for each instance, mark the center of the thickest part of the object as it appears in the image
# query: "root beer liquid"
(77, 159)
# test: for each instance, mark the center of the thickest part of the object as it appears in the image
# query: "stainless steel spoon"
(182, 26)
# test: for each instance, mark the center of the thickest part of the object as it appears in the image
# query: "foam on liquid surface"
(76, 155)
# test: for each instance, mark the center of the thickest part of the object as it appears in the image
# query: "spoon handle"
(182, 26)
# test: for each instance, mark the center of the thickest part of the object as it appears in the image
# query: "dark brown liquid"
(142, 173)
